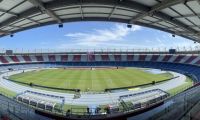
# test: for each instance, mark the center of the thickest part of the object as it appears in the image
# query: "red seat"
(105, 58)
(64, 58)
(27, 58)
(14, 59)
(77, 58)
(39, 58)
(3, 59)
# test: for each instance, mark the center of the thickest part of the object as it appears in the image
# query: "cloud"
(119, 36)
(102, 45)
(98, 36)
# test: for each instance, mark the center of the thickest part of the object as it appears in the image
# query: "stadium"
(110, 84)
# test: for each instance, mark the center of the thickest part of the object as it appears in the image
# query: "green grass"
(7, 92)
(181, 88)
(95, 80)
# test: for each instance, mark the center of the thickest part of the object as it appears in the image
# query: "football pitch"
(92, 80)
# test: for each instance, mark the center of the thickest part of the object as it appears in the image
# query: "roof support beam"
(40, 5)
(186, 16)
(183, 32)
(128, 4)
(81, 10)
(157, 7)
(115, 7)
(146, 9)
(166, 30)
(198, 26)
(8, 12)
(157, 21)
(15, 26)
(188, 33)
(33, 21)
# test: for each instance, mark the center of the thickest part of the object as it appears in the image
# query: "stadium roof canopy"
(180, 17)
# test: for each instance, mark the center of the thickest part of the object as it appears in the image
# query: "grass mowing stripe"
(102, 81)
(79, 82)
(96, 82)
(48, 79)
(69, 77)
(123, 78)
(56, 79)
(44, 79)
(130, 74)
(118, 79)
(59, 79)
(111, 81)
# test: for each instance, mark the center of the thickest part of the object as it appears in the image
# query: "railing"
(181, 104)
(192, 114)
(13, 110)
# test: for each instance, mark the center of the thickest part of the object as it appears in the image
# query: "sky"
(93, 35)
